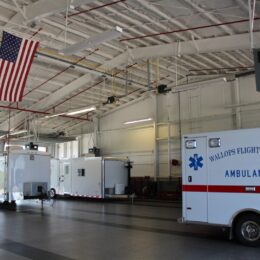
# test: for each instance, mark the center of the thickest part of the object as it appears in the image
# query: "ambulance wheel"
(247, 229)
(52, 193)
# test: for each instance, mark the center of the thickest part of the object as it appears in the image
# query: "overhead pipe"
(51, 78)
(96, 8)
(59, 73)
(91, 70)
(39, 112)
(223, 68)
(129, 93)
(129, 66)
(35, 33)
(149, 75)
(187, 29)
(84, 90)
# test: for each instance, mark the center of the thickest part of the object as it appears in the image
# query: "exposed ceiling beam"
(225, 43)
(43, 8)
(217, 44)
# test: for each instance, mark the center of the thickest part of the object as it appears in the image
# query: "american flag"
(16, 56)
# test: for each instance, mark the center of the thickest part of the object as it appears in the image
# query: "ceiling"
(59, 83)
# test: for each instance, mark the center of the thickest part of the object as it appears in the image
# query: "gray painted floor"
(96, 230)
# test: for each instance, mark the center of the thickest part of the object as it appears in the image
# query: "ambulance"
(221, 181)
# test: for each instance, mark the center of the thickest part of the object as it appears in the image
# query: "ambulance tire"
(52, 193)
(247, 229)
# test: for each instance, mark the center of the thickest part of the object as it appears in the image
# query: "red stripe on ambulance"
(221, 188)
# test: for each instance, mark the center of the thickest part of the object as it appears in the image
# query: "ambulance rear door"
(195, 180)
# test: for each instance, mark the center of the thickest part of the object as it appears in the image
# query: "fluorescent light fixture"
(80, 111)
(138, 121)
(18, 132)
(71, 113)
(14, 145)
(93, 41)
(51, 116)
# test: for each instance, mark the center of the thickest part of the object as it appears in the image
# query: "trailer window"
(190, 144)
(214, 142)
(81, 172)
(67, 168)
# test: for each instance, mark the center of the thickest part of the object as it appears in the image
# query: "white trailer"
(92, 177)
(221, 181)
(28, 174)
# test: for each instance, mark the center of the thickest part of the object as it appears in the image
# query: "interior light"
(138, 121)
(18, 132)
(50, 116)
(80, 111)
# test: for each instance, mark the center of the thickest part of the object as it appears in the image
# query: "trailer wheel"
(52, 193)
(247, 229)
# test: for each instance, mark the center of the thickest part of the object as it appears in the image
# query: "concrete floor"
(97, 230)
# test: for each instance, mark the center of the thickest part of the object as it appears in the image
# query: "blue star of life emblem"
(196, 162)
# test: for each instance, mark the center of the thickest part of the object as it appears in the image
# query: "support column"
(96, 137)
(80, 145)
(169, 149)
(236, 101)
(156, 154)
(179, 118)
(149, 76)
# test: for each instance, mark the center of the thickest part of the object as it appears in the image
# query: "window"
(214, 142)
(190, 144)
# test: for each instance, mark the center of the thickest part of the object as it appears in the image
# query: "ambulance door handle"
(189, 178)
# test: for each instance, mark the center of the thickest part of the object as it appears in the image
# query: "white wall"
(205, 107)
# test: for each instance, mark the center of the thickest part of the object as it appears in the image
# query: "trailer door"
(65, 178)
(195, 197)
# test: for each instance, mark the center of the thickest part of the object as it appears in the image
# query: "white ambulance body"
(221, 181)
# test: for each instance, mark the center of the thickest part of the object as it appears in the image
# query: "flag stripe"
(9, 69)
(29, 64)
(20, 70)
(16, 71)
(9, 81)
(1, 72)
(14, 76)
(25, 66)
